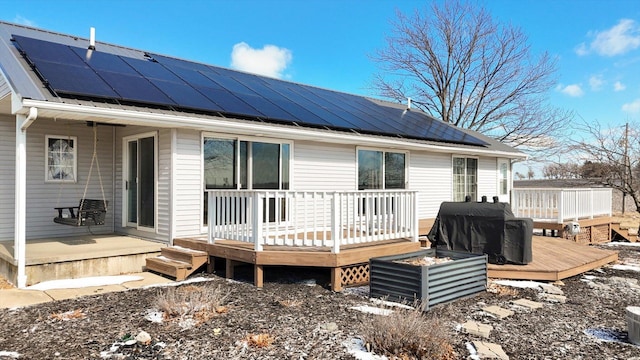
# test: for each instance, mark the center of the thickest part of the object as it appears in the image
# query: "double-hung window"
(61, 165)
(465, 178)
(251, 165)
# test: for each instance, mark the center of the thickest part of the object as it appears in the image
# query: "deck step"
(630, 234)
(178, 262)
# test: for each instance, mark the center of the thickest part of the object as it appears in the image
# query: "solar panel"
(74, 80)
(48, 51)
(165, 81)
(136, 89)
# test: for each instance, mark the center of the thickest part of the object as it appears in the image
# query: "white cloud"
(269, 61)
(19, 19)
(632, 107)
(573, 90)
(622, 38)
(596, 81)
(618, 86)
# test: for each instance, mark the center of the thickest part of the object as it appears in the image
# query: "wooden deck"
(555, 259)
(348, 267)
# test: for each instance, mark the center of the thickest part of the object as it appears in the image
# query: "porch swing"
(89, 211)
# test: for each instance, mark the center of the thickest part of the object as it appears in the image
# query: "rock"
(553, 298)
(331, 326)
(528, 304)
(474, 328)
(487, 350)
(550, 289)
(143, 338)
(497, 311)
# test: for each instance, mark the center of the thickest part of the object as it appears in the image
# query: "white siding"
(319, 166)
(43, 196)
(189, 192)
(431, 175)
(487, 178)
(7, 169)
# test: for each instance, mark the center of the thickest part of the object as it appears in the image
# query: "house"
(152, 135)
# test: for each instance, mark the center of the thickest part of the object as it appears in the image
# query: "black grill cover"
(483, 228)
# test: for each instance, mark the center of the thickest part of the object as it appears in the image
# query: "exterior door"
(140, 182)
(504, 180)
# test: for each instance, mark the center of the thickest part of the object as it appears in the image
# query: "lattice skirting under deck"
(357, 274)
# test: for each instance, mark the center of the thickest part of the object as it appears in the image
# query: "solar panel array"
(163, 81)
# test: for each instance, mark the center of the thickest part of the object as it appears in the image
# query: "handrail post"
(257, 222)
(560, 206)
(416, 223)
(336, 219)
(210, 217)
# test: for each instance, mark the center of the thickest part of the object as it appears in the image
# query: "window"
(239, 164)
(381, 170)
(61, 158)
(465, 178)
(503, 173)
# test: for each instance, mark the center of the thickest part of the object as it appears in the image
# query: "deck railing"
(312, 218)
(559, 205)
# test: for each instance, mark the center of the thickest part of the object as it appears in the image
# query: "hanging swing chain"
(94, 159)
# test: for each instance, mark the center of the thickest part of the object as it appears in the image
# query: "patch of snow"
(308, 282)
(588, 277)
(362, 291)
(626, 267)
(155, 316)
(391, 304)
(473, 353)
(615, 243)
(9, 354)
(607, 335)
(372, 310)
(520, 284)
(178, 283)
(84, 282)
(112, 351)
(356, 348)
(187, 249)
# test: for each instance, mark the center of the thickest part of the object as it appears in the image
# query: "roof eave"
(213, 123)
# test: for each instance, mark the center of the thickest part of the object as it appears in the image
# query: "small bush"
(407, 334)
(197, 302)
(68, 315)
(259, 340)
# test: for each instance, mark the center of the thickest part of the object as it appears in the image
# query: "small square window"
(61, 158)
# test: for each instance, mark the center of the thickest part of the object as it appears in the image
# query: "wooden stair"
(178, 262)
(627, 232)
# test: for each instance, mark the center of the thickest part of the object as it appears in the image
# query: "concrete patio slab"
(11, 298)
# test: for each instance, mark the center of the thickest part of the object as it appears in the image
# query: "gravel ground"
(290, 319)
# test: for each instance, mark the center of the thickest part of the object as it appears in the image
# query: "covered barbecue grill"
(483, 228)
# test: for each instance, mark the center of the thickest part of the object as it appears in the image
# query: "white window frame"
(383, 150)
(47, 174)
(502, 161)
(453, 180)
(249, 139)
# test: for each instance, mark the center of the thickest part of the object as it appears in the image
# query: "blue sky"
(327, 43)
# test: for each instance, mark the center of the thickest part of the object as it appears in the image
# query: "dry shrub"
(501, 290)
(408, 334)
(259, 340)
(68, 315)
(290, 303)
(198, 302)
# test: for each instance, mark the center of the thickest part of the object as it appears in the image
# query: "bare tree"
(613, 157)
(458, 65)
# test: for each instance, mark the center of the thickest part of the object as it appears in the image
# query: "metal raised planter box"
(433, 284)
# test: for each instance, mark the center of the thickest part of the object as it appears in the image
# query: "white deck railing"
(312, 218)
(559, 205)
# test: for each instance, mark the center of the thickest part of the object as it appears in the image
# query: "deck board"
(555, 259)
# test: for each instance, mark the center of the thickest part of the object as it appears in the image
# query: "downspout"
(20, 228)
